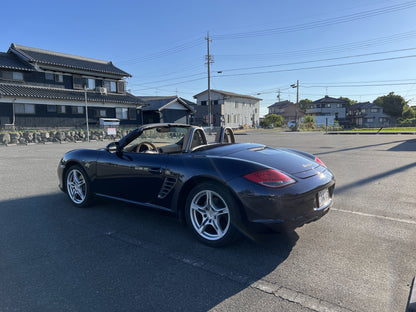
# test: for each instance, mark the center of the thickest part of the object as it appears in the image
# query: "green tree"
(304, 104)
(409, 112)
(392, 104)
(308, 123)
(272, 120)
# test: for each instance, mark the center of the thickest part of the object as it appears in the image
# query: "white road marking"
(376, 216)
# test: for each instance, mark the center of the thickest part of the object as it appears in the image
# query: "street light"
(297, 102)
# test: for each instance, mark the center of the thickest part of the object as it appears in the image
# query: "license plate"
(323, 198)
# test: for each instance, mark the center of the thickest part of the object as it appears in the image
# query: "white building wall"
(235, 111)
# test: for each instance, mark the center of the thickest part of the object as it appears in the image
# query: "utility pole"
(297, 101)
(209, 60)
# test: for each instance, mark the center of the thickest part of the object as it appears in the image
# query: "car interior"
(193, 139)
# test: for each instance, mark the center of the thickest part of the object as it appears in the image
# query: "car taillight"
(270, 178)
(320, 161)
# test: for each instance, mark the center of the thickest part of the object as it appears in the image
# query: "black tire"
(78, 186)
(213, 214)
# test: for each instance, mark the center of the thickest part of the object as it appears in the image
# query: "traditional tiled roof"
(231, 94)
(281, 105)
(25, 91)
(328, 99)
(11, 61)
(45, 57)
(158, 103)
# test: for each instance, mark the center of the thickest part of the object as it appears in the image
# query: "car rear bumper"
(289, 207)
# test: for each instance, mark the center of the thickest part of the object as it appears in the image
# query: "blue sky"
(359, 49)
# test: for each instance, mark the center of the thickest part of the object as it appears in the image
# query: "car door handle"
(155, 170)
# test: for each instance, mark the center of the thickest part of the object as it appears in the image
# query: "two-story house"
(288, 110)
(41, 88)
(227, 109)
(368, 115)
(327, 110)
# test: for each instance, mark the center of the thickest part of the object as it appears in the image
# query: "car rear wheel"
(78, 186)
(212, 214)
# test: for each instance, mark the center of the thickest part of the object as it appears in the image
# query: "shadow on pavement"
(119, 257)
(404, 143)
(374, 178)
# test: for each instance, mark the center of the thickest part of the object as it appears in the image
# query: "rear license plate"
(323, 198)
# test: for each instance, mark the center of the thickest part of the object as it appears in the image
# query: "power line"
(321, 23)
(363, 85)
(318, 67)
(166, 52)
(328, 49)
(305, 84)
(321, 60)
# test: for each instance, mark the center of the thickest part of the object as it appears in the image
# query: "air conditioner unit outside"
(102, 90)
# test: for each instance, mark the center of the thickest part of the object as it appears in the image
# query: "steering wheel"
(145, 146)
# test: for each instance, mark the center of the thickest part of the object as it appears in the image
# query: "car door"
(135, 177)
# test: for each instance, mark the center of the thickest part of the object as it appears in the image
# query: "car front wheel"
(212, 214)
(78, 186)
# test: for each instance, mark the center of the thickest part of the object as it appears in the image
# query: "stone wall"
(39, 137)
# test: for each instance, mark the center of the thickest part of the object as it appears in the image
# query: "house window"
(203, 103)
(17, 76)
(132, 114)
(61, 109)
(121, 86)
(235, 105)
(102, 113)
(121, 113)
(340, 105)
(59, 78)
(51, 108)
(370, 120)
(215, 102)
(49, 76)
(77, 109)
(24, 108)
(91, 84)
(374, 110)
(328, 105)
(12, 75)
(78, 82)
(110, 85)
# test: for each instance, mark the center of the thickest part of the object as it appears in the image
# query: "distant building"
(227, 109)
(328, 110)
(40, 88)
(170, 109)
(288, 110)
(368, 115)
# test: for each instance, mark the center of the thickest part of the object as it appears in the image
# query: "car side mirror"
(112, 147)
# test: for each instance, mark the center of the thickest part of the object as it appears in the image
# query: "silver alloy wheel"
(76, 186)
(210, 215)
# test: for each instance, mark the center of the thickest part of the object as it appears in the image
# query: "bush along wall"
(60, 136)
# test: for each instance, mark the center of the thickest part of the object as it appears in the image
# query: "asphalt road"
(117, 257)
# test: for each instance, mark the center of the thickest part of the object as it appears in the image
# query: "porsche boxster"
(220, 188)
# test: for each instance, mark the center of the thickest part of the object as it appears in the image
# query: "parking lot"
(117, 257)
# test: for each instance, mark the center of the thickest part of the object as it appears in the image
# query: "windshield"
(160, 137)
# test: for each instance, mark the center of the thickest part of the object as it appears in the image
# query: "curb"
(373, 133)
(411, 304)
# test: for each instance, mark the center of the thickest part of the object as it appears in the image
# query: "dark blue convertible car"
(221, 188)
